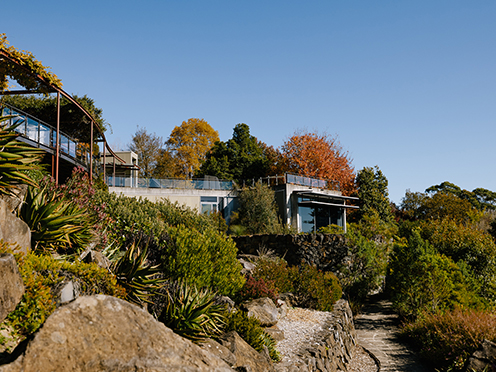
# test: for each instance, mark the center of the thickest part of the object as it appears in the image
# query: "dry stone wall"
(326, 251)
(331, 349)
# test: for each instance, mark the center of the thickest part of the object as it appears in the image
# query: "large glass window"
(313, 217)
(306, 217)
(209, 204)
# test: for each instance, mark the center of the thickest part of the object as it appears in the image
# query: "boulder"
(11, 285)
(247, 358)
(103, 333)
(275, 333)
(248, 266)
(219, 350)
(483, 359)
(13, 230)
(263, 309)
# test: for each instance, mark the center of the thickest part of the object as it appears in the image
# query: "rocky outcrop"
(247, 358)
(263, 309)
(13, 230)
(325, 251)
(484, 359)
(102, 333)
(11, 285)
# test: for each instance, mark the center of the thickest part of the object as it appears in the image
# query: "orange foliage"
(319, 156)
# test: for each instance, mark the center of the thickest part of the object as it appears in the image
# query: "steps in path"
(377, 331)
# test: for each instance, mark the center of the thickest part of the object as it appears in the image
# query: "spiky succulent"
(136, 275)
(15, 158)
(192, 313)
(56, 224)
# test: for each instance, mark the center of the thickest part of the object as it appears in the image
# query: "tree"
(257, 212)
(479, 198)
(188, 145)
(373, 193)
(148, 147)
(241, 158)
(319, 156)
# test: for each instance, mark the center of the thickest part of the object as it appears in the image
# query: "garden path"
(378, 332)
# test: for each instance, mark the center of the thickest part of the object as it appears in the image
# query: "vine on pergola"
(28, 71)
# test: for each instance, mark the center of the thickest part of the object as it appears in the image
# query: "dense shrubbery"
(443, 270)
(370, 242)
(313, 288)
(440, 267)
(447, 339)
(41, 274)
(205, 259)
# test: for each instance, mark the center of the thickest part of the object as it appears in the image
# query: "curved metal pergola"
(52, 88)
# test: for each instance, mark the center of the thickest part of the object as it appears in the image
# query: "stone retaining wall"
(326, 251)
(334, 349)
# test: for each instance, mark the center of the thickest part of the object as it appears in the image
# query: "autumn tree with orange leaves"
(319, 156)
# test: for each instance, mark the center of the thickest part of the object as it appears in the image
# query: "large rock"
(264, 310)
(13, 230)
(484, 359)
(247, 358)
(11, 285)
(102, 333)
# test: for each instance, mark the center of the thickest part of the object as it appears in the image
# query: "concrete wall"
(188, 197)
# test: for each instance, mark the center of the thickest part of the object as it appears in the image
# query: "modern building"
(305, 203)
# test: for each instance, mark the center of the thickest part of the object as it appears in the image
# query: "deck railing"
(43, 135)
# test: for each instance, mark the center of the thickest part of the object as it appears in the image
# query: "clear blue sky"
(409, 86)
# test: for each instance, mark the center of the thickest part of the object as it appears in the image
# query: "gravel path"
(377, 331)
(300, 326)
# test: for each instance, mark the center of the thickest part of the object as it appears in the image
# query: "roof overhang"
(312, 203)
(315, 194)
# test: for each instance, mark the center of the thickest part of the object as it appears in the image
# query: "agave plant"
(138, 278)
(56, 224)
(192, 313)
(15, 158)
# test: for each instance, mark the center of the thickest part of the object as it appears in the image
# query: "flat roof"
(321, 194)
(312, 203)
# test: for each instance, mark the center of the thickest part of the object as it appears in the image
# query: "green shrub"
(41, 275)
(463, 242)
(316, 289)
(257, 212)
(369, 244)
(138, 214)
(421, 280)
(191, 313)
(251, 331)
(313, 288)
(205, 259)
(446, 340)
(277, 271)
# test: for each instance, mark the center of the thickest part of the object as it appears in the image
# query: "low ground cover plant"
(252, 332)
(41, 275)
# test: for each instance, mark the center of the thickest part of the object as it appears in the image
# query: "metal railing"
(169, 183)
(44, 135)
(300, 180)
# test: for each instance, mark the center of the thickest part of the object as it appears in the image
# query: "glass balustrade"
(46, 135)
